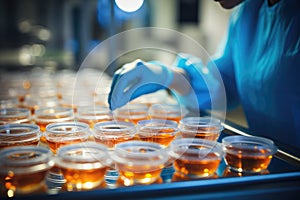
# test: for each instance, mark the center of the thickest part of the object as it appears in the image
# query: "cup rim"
(155, 122)
(82, 127)
(249, 140)
(98, 160)
(114, 126)
(183, 144)
(44, 160)
(34, 129)
(61, 111)
(18, 112)
(200, 122)
(121, 155)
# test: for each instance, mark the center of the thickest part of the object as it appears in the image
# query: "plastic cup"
(15, 116)
(65, 133)
(157, 130)
(19, 135)
(167, 112)
(45, 116)
(23, 169)
(111, 133)
(92, 115)
(195, 158)
(201, 127)
(83, 165)
(248, 154)
(8, 101)
(139, 162)
(132, 113)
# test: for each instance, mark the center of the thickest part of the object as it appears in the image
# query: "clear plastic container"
(132, 113)
(34, 103)
(65, 133)
(167, 112)
(23, 169)
(111, 133)
(195, 158)
(19, 135)
(94, 114)
(248, 154)
(83, 165)
(139, 162)
(8, 101)
(158, 131)
(201, 127)
(45, 116)
(15, 116)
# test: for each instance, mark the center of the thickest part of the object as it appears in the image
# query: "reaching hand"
(137, 78)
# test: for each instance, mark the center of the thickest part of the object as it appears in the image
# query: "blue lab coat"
(260, 68)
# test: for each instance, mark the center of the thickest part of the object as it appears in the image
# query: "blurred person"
(259, 65)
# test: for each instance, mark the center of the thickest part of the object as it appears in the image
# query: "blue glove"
(137, 78)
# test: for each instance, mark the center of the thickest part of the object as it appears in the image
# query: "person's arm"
(181, 83)
(204, 86)
(192, 83)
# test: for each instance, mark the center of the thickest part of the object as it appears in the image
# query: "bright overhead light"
(129, 5)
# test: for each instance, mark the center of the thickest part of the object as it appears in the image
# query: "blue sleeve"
(206, 85)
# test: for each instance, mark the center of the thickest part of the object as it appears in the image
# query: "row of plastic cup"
(84, 165)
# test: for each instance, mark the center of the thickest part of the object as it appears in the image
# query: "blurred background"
(60, 33)
(39, 39)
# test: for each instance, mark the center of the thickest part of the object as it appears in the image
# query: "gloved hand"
(137, 78)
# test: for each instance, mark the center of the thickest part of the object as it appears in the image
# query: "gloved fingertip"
(111, 107)
(139, 62)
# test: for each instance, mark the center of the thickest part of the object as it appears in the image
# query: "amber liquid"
(167, 117)
(92, 122)
(29, 143)
(65, 105)
(208, 133)
(31, 108)
(133, 117)
(250, 160)
(43, 121)
(83, 179)
(131, 175)
(111, 141)
(20, 184)
(42, 125)
(8, 141)
(191, 166)
(14, 120)
(55, 145)
(163, 137)
(202, 133)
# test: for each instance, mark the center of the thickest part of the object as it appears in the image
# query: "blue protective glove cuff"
(199, 78)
